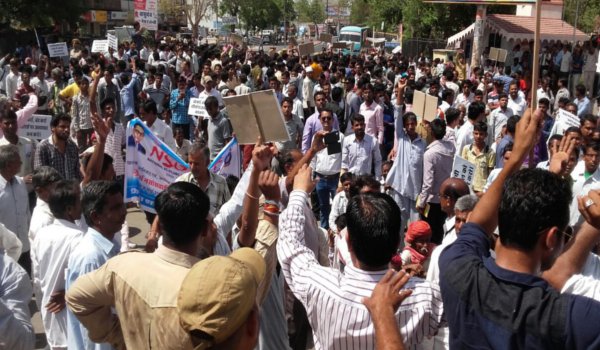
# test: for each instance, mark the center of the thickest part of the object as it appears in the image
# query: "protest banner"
(341, 45)
(145, 13)
(58, 50)
(463, 169)
(424, 106)
(306, 49)
(324, 37)
(197, 107)
(37, 127)
(228, 161)
(502, 53)
(564, 120)
(113, 41)
(100, 46)
(150, 166)
(256, 114)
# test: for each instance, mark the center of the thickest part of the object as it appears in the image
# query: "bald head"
(450, 191)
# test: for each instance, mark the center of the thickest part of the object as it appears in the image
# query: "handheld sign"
(564, 120)
(493, 56)
(256, 114)
(306, 49)
(502, 55)
(37, 127)
(100, 46)
(430, 110)
(463, 169)
(419, 104)
(58, 50)
(197, 107)
(341, 45)
(326, 37)
(113, 41)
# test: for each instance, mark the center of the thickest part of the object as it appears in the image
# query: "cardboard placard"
(493, 56)
(319, 48)
(100, 46)
(58, 50)
(326, 37)
(431, 106)
(306, 49)
(236, 39)
(37, 127)
(418, 105)
(564, 120)
(502, 55)
(339, 46)
(113, 41)
(256, 114)
(255, 41)
(463, 169)
(197, 107)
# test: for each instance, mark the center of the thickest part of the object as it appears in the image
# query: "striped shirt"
(80, 112)
(332, 300)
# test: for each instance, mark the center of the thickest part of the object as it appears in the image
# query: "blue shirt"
(128, 96)
(179, 108)
(91, 253)
(488, 307)
(500, 150)
(583, 106)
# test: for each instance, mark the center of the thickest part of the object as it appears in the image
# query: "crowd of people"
(358, 232)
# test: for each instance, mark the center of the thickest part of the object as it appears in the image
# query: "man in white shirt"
(498, 119)
(586, 177)
(158, 127)
(327, 164)
(590, 58)
(209, 90)
(52, 247)
(373, 114)
(464, 136)
(14, 200)
(332, 299)
(13, 78)
(516, 100)
(360, 152)
(297, 109)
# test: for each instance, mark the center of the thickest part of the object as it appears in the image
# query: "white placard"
(463, 169)
(58, 50)
(100, 46)
(197, 107)
(147, 18)
(37, 127)
(113, 41)
(564, 120)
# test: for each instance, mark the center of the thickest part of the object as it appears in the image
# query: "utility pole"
(478, 32)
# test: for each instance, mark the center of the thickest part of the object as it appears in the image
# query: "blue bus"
(355, 35)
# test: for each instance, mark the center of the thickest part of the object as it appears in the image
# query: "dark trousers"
(25, 262)
(435, 219)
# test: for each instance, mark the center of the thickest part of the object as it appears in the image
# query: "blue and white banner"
(228, 161)
(150, 165)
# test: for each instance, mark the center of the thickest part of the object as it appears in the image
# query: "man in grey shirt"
(293, 124)
(218, 129)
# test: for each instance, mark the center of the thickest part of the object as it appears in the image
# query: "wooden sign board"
(256, 114)
(493, 56)
(430, 110)
(339, 45)
(418, 104)
(306, 49)
(326, 37)
(502, 55)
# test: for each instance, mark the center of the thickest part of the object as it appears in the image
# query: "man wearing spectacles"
(586, 177)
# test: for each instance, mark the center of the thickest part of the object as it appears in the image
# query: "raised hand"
(317, 142)
(268, 182)
(303, 180)
(561, 154)
(589, 207)
(527, 134)
(261, 155)
(101, 127)
(388, 294)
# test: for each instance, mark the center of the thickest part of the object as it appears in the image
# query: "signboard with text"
(37, 127)
(463, 169)
(145, 13)
(58, 50)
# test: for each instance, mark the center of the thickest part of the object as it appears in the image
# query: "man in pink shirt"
(24, 112)
(373, 114)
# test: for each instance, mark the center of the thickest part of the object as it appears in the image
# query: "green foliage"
(287, 9)
(259, 14)
(32, 13)
(588, 16)
(311, 11)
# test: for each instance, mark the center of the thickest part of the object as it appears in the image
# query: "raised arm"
(485, 213)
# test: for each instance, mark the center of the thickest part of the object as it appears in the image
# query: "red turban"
(418, 229)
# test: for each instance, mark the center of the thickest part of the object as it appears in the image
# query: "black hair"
(544, 101)
(532, 200)
(211, 101)
(475, 110)
(232, 182)
(356, 117)
(438, 128)
(480, 127)
(362, 181)
(452, 114)
(572, 129)
(106, 162)
(150, 107)
(341, 222)
(44, 176)
(182, 200)
(107, 101)
(93, 198)
(588, 117)
(64, 195)
(61, 117)
(408, 117)
(511, 124)
(373, 228)
(592, 145)
(336, 93)
(346, 176)
(447, 93)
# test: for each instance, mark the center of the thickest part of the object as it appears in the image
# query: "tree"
(32, 13)
(259, 14)
(196, 10)
(312, 11)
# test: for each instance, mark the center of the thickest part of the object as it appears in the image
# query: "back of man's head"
(182, 210)
(475, 110)
(438, 128)
(373, 221)
(511, 124)
(532, 200)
